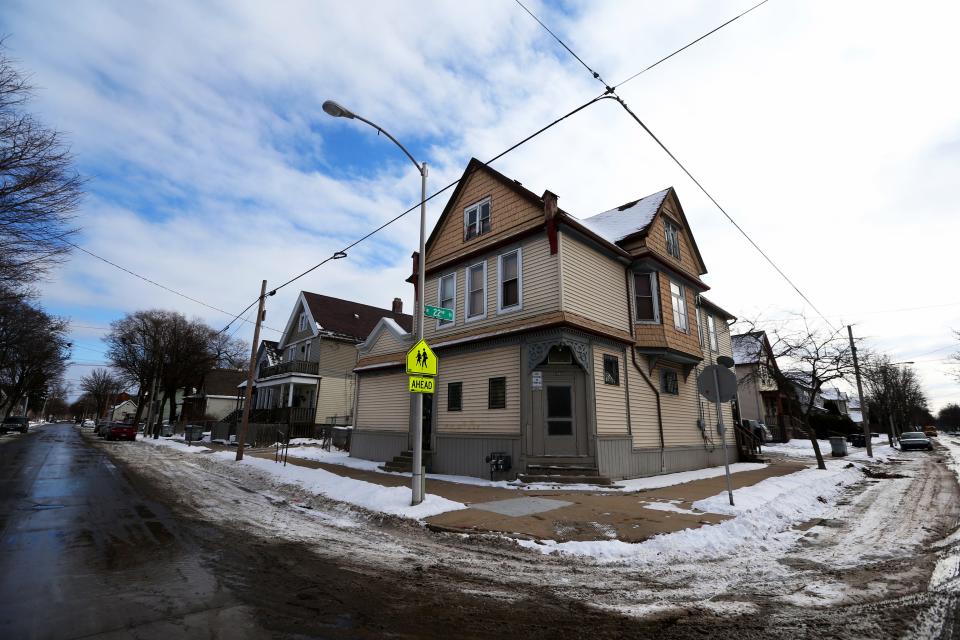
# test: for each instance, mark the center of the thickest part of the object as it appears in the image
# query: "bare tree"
(33, 353)
(808, 358)
(39, 189)
(894, 391)
(134, 348)
(100, 385)
(230, 352)
(949, 416)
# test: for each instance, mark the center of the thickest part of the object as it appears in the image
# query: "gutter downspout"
(633, 356)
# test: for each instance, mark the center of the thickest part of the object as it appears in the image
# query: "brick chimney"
(550, 217)
(397, 305)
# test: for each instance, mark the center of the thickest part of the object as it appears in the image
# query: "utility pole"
(863, 405)
(248, 392)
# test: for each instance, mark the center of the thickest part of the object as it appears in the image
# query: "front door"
(559, 417)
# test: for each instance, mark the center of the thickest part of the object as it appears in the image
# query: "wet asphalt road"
(85, 554)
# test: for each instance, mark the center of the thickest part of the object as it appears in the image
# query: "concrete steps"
(563, 474)
(403, 463)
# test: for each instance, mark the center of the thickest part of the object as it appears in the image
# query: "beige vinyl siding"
(680, 412)
(725, 348)
(386, 343)
(540, 291)
(335, 356)
(383, 402)
(335, 398)
(594, 285)
(643, 411)
(474, 370)
(611, 399)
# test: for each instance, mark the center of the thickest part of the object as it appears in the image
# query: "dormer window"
(673, 238)
(476, 219)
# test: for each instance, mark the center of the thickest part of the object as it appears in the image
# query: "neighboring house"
(216, 397)
(307, 376)
(760, 396)
(840, 399)
(124, 410)
(574, 346)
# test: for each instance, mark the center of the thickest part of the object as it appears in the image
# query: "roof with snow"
(747, 347)
(349, 319)
(627, 219)
(832, 393)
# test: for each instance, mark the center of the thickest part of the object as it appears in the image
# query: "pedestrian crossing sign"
(421, 360)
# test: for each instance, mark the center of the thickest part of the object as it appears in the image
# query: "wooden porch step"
(403, 463)
(562, 470)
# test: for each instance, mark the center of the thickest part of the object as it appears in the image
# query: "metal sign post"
(718, 384)
(422, 367)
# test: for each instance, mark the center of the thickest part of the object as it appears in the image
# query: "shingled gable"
(633, 220)
(338, 318)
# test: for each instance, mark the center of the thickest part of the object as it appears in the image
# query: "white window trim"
(440, 326)
(307, 349)
(466, 210)
(686, 311)
(714, 341)
(700, 328)
(654, 289)
(466, 293)
(519, 305)
(667, 225)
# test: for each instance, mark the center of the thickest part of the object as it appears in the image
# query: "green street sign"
(438, 312)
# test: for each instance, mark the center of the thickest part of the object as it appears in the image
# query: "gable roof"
(347, 319)
(223, 382)
(628, 219)
(390, 326)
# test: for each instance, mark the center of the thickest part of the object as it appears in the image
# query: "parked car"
(15, 423)
(930, 432)
(101, 425)
(915, 440)
(120, 431)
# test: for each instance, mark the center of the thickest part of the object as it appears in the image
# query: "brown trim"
(647, 254)
(516, 236)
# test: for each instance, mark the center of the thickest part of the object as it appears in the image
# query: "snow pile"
(682, 477)
(374, 497)
(803, 448)
(763, 515)
(171, 443)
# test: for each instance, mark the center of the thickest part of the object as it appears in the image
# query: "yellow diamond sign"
(421, 361)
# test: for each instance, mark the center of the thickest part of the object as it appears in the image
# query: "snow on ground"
(653, 482)
(763, 514)
(803, 448)
(172, 443)
(374, 497)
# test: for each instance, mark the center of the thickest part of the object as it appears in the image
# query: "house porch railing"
(293, 366)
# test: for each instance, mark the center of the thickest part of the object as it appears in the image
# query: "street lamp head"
(337, 110)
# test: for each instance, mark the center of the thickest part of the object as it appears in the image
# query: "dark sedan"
(15, 423)
(915, 440)
(119, 431)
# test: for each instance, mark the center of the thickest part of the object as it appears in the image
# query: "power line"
(689, 44)
(153, 282)
(612, 93)
(342, 253)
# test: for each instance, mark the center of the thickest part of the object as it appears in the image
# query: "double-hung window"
(302, 323)
(510, 281)
(291, 354)
(673, 238)
(699, 327)
(476, 291)
(476, 219)
(497, 393)
(306, 351)
(679, 306)
(455, 396)
(611, 370)
(645, 297)
(447, 295)
(712, 333)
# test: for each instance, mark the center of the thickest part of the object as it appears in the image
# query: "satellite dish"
(725, 361)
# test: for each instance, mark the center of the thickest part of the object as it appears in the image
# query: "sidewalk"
(561, 515)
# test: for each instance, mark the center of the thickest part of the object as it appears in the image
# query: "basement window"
(455, 396)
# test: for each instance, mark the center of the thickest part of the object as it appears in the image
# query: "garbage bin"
(858, 440)
(839, 446)
(193, 433)
(341, 437)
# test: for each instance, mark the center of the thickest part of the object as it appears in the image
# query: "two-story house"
(763, 394)
(306, 377)
(574, 345)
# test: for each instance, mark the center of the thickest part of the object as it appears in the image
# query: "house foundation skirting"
(465, 454)
(617, 458)
(379, 446)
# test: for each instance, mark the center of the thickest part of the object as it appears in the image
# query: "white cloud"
(827, 130)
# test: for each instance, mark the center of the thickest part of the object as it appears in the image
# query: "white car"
(89, 423)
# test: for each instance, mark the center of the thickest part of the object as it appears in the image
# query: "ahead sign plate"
(420, 384)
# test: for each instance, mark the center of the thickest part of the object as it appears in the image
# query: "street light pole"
(337, 110)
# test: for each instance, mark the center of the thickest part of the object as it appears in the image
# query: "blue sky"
(828, 131)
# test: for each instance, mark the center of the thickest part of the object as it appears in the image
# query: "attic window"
(476, 219)
(302, 322)
(673, 238)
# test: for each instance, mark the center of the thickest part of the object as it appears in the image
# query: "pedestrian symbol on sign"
(421, 361)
